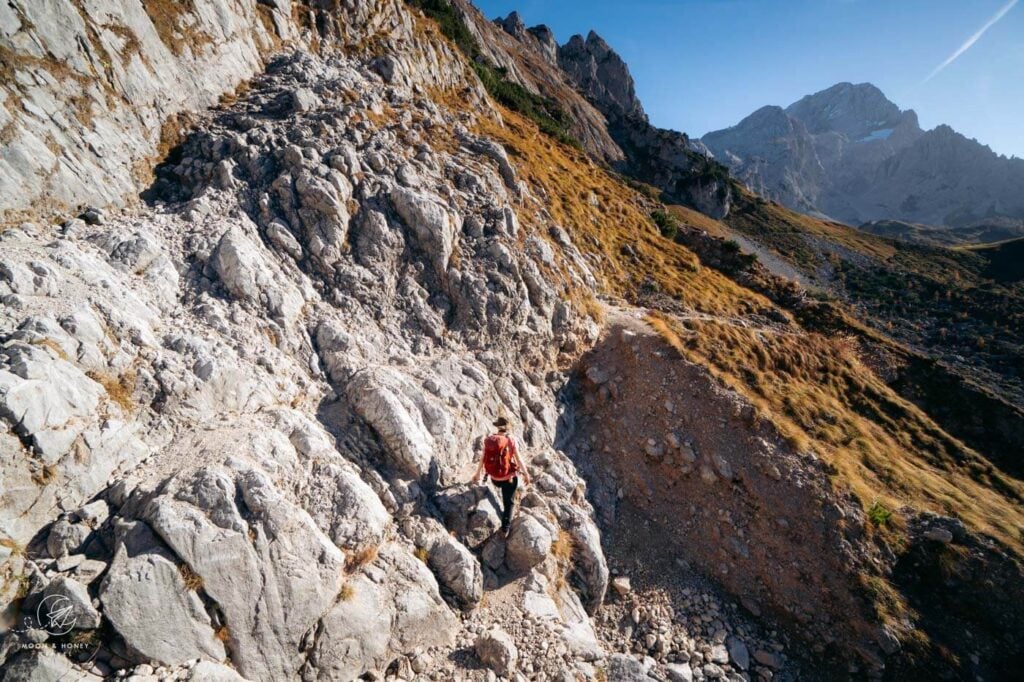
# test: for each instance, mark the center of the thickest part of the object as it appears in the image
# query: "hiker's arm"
(479, 469)
(522, 465)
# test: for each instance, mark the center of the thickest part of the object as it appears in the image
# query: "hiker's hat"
(501, 422)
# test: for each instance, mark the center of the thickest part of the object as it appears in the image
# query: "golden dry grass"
(562, 550)
(562, 547)
(193, 581)
(818, 395)
(592, 308)
(45, 475)
(52, 345)
(610, 222)
(223, 634)
(119, 389)
(11, 546)
(364, 557)
(167, 16)
(757, 217)
(696, 219)
(347, 592)
(86, 638)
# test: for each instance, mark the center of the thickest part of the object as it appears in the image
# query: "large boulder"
(529, 543)
(431, 223)
(49, 400)
(66, 537)
(457, 570)
(623, 668)
(391, 608)
(43, 665)
(590, 568)
(345, 507)
(55, 452)
(402, 416)
(208, 671)
(249, 276)
(69, 599)
(496, 650)
(146, 599)
(262, 559)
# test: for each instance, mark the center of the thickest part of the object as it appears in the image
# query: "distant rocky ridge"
(851, 154)
(666, 159)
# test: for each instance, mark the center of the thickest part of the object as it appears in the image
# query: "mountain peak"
(602, 75)
(856, 110)
(540, 37)
(512, 24)
(849, 152)
(593, 38)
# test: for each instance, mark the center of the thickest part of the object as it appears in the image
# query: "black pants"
(508, 498)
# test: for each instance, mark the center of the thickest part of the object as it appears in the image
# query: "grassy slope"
(962, 306)
(946, 300)
(813, 388)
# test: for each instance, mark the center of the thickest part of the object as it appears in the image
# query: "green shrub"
(450, 23)
(667, 225)
(544, 111)
(878, 514)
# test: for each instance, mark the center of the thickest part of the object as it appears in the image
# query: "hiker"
(500, 459)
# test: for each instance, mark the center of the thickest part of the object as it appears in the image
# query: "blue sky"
(701, 65)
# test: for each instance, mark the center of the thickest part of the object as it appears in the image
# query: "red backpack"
(498, 462)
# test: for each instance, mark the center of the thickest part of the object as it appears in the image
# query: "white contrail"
(973, 39)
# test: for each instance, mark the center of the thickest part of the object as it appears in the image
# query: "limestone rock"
(528, 543)
(145, 597)
(49, 399)
(939, 535)
(250, 277)
(738, 653)
(457, 571)
(396, 410)
(497, 651)
(43, 665)
(262, 559)
(71, 598)
(346, 508)
(380, 617)
(679, 672)
(626, 669)
(66, 537)
(208, 671)
(621, 585)
(430, 222)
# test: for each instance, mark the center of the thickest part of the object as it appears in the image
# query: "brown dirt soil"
(752, 512)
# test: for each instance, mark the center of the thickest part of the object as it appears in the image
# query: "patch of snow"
(882, 134)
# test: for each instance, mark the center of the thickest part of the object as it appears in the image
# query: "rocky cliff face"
(250, 407)
(666, 159)
(128, 69)
(602, 76)
(528, 58)
(849, 153)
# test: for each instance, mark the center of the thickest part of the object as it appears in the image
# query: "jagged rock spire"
(602, 75)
